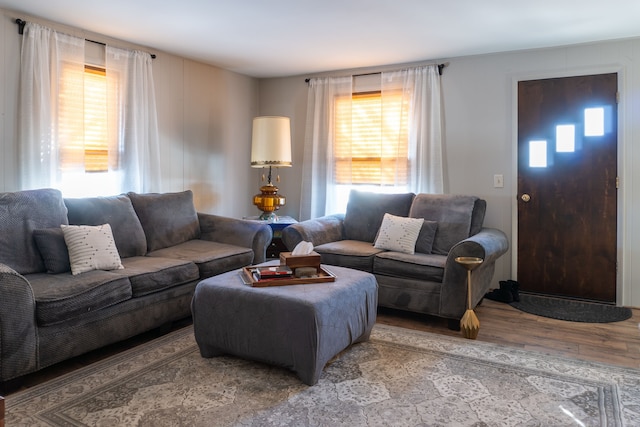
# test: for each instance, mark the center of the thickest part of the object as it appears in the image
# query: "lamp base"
(269, 201)
(268, 216)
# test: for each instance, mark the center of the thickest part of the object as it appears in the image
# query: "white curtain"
(44, 54)
(318, 191)
(52, 121)
(421, 88)
(136, 114)
(421, 106)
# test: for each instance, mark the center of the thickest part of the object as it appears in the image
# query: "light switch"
(498, 181)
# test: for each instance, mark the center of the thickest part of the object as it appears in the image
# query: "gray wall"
(480, 113)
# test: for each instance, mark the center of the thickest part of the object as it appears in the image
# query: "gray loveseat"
(48, 314)
(428, 281)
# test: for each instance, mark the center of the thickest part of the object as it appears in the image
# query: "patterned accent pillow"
(91, 247)
(398, 233)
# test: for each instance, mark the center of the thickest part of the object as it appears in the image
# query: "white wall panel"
(9, 72)
(167, 70)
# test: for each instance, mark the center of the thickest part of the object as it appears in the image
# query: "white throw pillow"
(398, 233)
(91, 248)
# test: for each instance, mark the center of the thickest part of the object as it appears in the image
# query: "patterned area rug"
(400, 377)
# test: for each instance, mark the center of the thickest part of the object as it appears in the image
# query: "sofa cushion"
(53, 249)
(412, 266)
(61, 297)
(453, 214)
(22, 212)
(212, 258)
(424, 244)
(91, 248)
(348, 253)
(152, 274)
(167, 219)
(398, 233)
(118, 212)
(365, 212)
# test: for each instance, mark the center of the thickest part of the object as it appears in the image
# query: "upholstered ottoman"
(300, 327)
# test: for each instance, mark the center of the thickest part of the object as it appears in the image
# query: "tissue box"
(293, 262)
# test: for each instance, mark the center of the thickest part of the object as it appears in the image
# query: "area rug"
(571, 310)
(400, 377)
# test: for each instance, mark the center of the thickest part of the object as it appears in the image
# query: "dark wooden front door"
(567, 186)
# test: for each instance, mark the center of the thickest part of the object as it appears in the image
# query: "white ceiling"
(270, 38)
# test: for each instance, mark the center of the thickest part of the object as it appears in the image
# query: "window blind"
(83, 112)
(371, 141)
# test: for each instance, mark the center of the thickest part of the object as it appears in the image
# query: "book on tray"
(274, 272)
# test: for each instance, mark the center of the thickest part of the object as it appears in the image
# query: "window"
(371, 142)
(566, 138)
(538, 153)
(88, 148)
(84, 121)
(96, 135)
(84, 130)
(377, 132)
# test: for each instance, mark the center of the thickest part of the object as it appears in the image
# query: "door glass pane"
(565, 138)
(538, 154)
(594, 121)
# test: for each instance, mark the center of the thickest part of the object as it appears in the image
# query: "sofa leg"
(454, 324)
(11, 386)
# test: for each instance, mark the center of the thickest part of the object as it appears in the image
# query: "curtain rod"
(440, 68)
(22, 23)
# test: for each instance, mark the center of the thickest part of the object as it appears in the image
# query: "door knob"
(525, 197)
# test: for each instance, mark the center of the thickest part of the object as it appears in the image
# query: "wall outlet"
(498, 181)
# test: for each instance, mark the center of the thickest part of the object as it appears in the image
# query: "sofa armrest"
(18, 329)
(489, 244)
(240, 232)
(317, 231)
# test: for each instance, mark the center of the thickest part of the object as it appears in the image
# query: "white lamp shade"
(271, 142)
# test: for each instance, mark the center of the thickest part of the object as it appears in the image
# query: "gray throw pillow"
(453, 214)
(167, 219)
(118, 212)
(52, 247)
(366, 210)
(424, 244)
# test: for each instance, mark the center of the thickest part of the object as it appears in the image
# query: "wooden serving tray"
(246, 274)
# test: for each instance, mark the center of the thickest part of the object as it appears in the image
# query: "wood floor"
(614, 343)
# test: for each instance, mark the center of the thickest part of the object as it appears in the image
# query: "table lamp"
(270, 147)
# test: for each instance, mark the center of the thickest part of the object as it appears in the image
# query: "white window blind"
(84, 137)
(371, 141)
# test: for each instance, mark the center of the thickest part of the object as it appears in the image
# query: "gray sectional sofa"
(165, 247)
(429, 280)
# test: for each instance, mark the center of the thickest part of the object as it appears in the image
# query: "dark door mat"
(571, 310)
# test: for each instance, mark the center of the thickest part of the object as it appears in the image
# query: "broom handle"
(469, 289)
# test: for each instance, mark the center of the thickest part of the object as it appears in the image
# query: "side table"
(276, 246)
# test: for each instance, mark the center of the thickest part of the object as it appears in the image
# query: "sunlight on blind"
(371, 142)
(84, 141)
(96, 145)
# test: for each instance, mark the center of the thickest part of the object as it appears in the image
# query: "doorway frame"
(623, 165)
